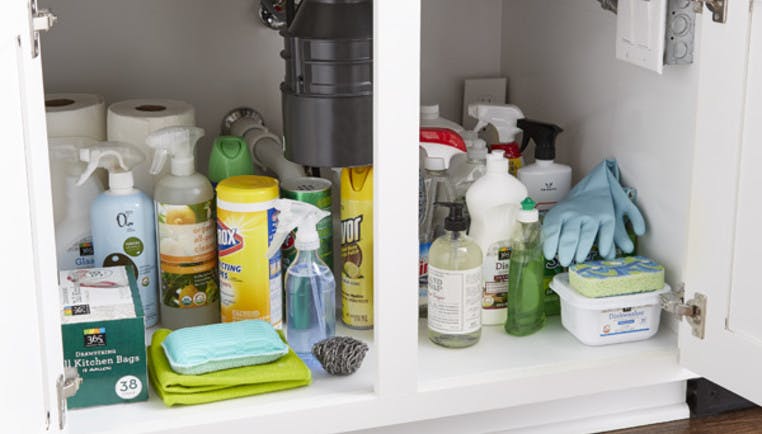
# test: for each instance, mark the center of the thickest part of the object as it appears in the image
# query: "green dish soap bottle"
(455, 284)
(526, 300)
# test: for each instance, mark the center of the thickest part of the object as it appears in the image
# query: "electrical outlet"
(640, 32)
(482, 90)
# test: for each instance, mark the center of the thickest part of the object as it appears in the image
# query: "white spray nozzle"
(118, 158)
(292, 215)
(502, 117)
(438, 156)
(177, 143)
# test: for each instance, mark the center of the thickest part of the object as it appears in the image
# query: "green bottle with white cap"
(526, 296)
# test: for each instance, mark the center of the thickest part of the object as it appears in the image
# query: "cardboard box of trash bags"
(104, 335)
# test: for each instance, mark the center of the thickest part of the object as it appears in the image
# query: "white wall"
(215, 55)
(459, 39)
(559, 57)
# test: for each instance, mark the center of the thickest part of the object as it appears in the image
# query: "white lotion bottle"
(122, 220)
(547, 181)
(493, 203)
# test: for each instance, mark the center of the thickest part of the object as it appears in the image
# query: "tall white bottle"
(74, 240)
(493, 202)
(185, 231)
(122, 220)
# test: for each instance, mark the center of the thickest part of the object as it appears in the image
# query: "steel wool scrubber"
(340, 355)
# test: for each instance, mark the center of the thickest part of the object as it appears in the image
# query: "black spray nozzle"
(544, 136)
(455, 221)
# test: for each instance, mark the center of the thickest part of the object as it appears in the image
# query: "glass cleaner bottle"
(455, 284)
(309, 283)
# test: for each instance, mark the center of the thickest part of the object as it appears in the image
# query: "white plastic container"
(608, 320)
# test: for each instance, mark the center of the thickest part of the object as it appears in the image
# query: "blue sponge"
(208, 348)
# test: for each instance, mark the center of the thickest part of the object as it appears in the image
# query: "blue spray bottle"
(309, 283)
(122, 220)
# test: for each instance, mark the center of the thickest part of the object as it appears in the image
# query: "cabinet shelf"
(154, 416)
(500, 371)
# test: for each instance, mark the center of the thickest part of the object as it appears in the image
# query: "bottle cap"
(528, 213)
(455, 221)
(478, 151)
(496, 162)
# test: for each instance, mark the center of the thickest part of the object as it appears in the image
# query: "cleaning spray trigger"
(502, 117)
(178, 143)
(292, 215)
(543, 135)
(94, 157)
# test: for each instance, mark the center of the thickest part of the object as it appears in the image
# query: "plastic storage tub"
(608, 320)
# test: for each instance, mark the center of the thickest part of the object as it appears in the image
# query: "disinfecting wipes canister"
(250, 282)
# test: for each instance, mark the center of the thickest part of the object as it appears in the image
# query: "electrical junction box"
(104, 335)
(640, 33)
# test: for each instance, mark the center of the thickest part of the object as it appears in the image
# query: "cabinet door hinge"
(67, 386)
(694, 310)
(718, 8)
(41, 20)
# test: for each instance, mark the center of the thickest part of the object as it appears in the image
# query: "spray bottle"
(503, 118)
(440, 145)
(74, 240)
(547, 182)
(122, 219)
(310, 285)
(185, 231)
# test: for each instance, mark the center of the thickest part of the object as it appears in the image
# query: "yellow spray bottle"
(357, 247)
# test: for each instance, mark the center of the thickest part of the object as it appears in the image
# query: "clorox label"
(228, 240)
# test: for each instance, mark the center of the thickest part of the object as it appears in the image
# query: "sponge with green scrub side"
(619, 276)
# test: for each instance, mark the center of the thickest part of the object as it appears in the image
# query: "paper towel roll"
(133, 120)
(76, 115)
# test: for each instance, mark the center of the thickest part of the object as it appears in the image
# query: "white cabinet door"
(725, 232)
(32, 359)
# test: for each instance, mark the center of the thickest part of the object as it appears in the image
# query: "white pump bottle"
(122, 219)
(310, 285)
(493, 201)
(185, 231)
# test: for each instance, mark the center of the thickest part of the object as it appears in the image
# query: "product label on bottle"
(629, 320)
(495, 270)
(357, 263)
(250, 282)
(514, 164)
(78, 254)
(188, 254)
(454, 300)
(423, 274)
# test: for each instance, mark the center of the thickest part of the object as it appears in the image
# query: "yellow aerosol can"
(357, 247)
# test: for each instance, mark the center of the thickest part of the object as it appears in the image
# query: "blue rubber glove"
(623, 207)
(571, 226)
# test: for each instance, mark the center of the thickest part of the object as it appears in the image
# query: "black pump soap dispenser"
(547, 181)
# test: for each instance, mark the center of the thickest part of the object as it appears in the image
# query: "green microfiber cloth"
(619, 276)
(288, 372)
